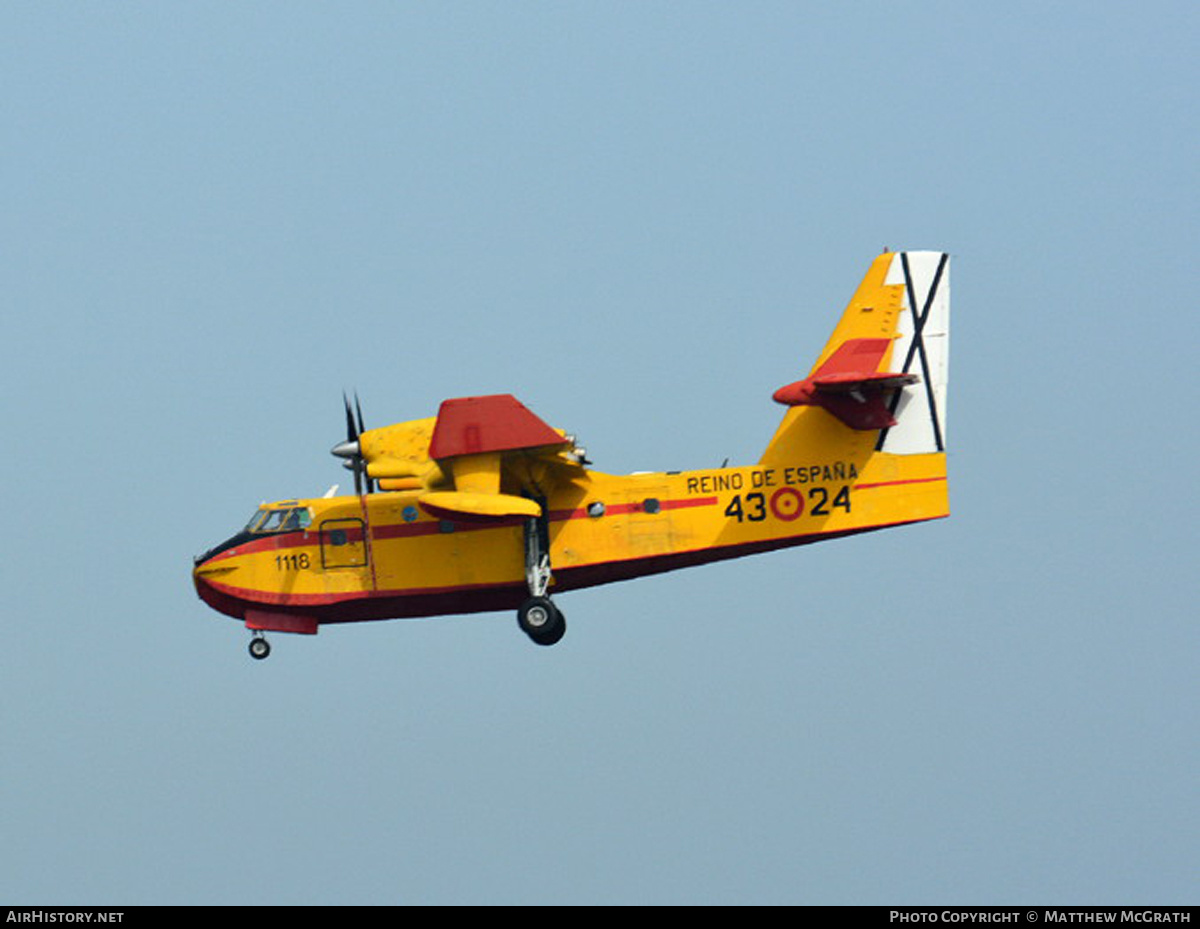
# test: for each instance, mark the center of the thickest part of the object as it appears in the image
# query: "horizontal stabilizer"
(846, 383)
(474, 507)
(849, 385)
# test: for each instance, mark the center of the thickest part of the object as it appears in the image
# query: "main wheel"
(260, 648)
(541, 620)
(554, 635)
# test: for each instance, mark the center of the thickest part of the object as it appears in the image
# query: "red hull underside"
(294, 615)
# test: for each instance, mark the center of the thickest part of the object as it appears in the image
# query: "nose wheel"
(260, 648)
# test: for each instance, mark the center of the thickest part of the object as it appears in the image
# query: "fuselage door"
(648, 524)
(343, 544)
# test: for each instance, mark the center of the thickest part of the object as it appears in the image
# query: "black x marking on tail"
(916, 348)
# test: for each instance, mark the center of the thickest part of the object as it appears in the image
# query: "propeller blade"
(361, 429)
(349, 449)
(358, 408)
(351, 432)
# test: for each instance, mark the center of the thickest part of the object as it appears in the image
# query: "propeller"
(351, 450)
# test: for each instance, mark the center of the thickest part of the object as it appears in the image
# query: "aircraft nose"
(204, 557)
(201, 568)
(198, 575)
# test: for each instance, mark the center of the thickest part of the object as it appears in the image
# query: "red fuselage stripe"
(916, 480)
(285, 540)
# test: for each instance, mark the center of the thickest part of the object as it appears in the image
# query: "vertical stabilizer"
(880, 382)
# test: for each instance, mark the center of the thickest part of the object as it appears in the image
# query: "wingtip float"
(486, 507)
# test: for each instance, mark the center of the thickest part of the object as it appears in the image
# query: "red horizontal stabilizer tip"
(499, 423)
(797, 394)
(849, 385)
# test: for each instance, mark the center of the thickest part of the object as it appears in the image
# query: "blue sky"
(641, 219)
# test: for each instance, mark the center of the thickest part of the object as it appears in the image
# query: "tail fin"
(880, 382)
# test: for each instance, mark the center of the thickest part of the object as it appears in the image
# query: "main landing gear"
(541, 620)
(538, 617)
(260, 648)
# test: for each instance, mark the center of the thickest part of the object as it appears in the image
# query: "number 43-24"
(754, 506)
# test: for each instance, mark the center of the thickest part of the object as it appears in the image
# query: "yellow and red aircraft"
(486, 507)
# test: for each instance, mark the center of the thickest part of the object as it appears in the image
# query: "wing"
(481, 458)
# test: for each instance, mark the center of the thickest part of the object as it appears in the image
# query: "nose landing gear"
(260, 648)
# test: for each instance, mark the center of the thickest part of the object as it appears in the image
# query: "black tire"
(541, 620)
(554, 636)
(260, 648)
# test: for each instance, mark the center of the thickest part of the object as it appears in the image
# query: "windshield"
(288, 519)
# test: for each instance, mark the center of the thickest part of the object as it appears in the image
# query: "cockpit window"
(296, 519)
(290, 519)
